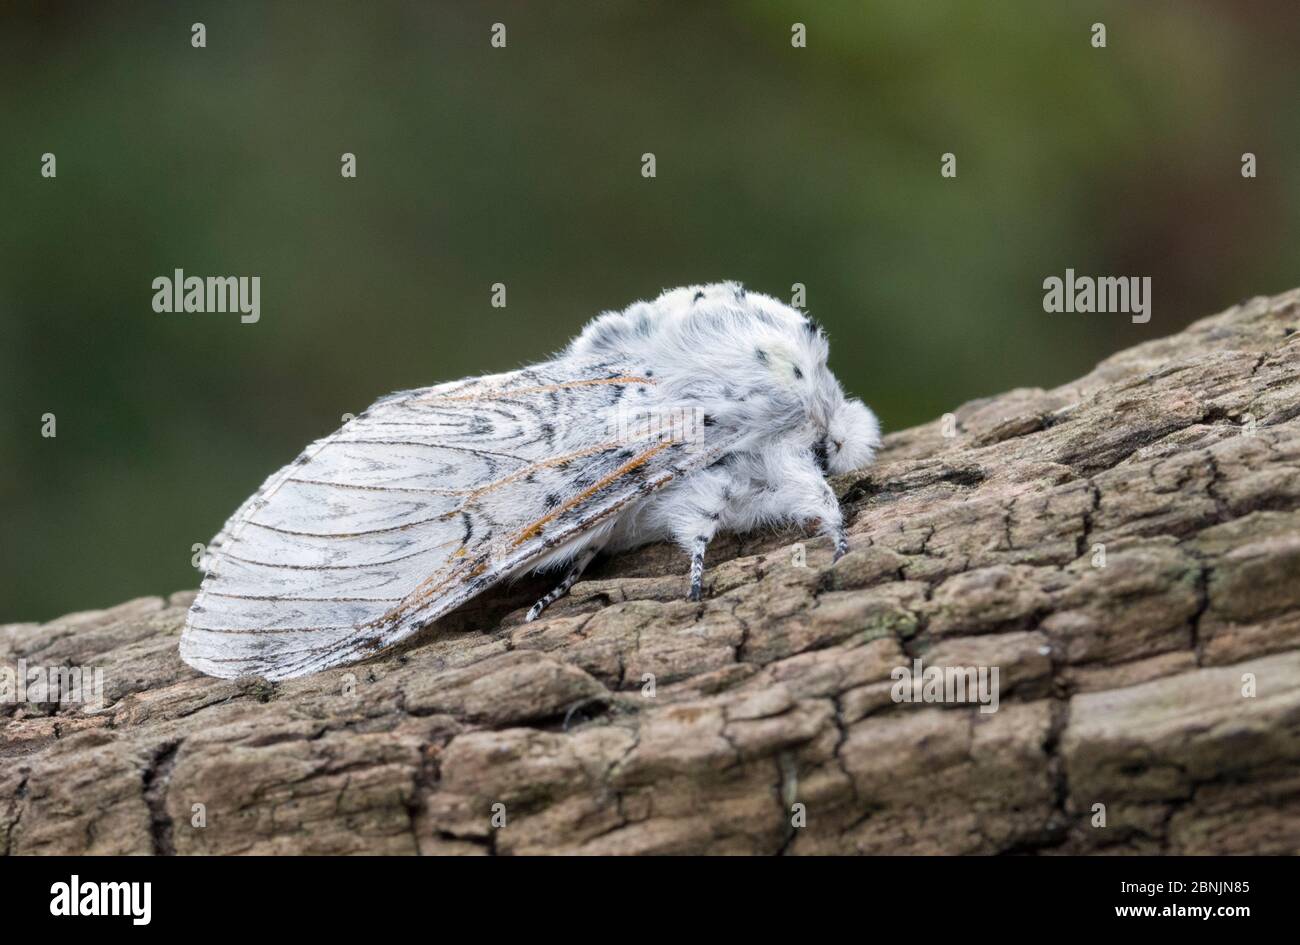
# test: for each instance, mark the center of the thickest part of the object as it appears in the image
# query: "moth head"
(792, 350)
(852, 437)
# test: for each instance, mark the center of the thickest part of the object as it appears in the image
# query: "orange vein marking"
(587, 493)
(541, 464)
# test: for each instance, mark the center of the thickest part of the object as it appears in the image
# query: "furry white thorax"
(757, 370)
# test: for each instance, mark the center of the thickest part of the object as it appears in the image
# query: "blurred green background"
(521, 165)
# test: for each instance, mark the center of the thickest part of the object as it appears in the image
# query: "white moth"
(708, 409)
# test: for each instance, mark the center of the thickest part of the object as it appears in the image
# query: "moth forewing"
(421, 502)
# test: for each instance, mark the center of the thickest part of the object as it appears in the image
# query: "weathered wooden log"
(1124, 550)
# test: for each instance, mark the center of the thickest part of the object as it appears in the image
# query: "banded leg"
(575, 571)
(841, 539)
(696, 515)
(698, 544)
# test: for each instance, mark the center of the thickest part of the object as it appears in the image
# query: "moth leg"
(823, 508)
(696, 521)
(800, 493)
(570, 578)
(830, 520)
(698, 544)
(841, 543)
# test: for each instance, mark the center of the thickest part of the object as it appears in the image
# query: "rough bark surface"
(1126, 685)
